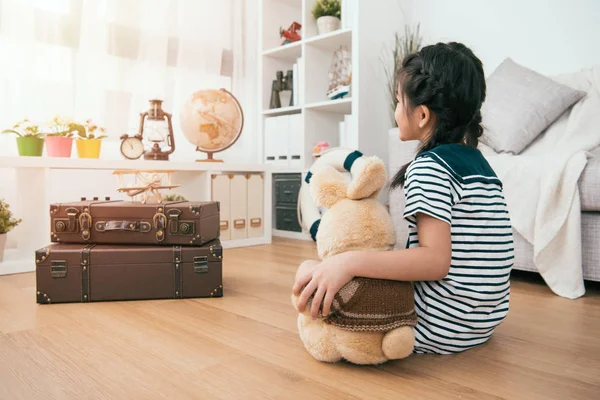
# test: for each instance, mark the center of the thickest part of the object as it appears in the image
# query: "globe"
(212, 120)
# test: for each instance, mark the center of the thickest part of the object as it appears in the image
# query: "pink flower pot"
(59, 146)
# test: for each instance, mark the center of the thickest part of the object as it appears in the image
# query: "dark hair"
(449, 80)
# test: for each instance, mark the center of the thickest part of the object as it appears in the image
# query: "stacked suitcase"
(122, 250)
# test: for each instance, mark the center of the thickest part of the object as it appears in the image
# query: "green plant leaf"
(91, 136)
(12, 131)
(324, 8)
(80, 129)
(7, 221)
(102, 137)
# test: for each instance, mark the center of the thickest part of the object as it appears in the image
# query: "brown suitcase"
(127, 222)
(67, 273)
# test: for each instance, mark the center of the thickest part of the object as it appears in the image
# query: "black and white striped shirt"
(455, 184)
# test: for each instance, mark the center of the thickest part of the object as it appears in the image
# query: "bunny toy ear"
(328, 186)
(368, 178)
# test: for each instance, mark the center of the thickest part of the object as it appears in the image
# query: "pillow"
(520, 104)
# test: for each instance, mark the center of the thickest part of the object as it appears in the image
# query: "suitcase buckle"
(71, 223)
(58, 269)
(180, 228)
(201, 265)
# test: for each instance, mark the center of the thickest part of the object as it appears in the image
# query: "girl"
(460, 250)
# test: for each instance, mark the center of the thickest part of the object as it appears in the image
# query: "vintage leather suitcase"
(67, 273)
(127, 222)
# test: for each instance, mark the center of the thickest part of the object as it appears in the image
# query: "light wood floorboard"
(245, 345)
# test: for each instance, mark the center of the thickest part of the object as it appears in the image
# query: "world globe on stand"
(212, 120)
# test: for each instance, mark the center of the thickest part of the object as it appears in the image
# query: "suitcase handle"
(123, 226)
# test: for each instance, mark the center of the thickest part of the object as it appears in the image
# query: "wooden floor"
(245, 346)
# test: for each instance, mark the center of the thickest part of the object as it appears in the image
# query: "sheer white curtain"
(104, 59)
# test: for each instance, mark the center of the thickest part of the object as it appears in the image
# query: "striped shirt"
(454, 183)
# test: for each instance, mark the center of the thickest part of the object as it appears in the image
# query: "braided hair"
(449, 80)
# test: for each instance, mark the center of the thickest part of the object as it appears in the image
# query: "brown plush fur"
(354, 221)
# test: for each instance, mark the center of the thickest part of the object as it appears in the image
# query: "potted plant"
(327, 13)
(404, 45)
(88, 144)
(7, 223)
(30, 141)
(59, 141)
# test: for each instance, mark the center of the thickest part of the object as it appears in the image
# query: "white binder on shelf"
(239, 207)
(270, 132)
(221, 192)
(296, 140)
(282, 140)
(255, 206)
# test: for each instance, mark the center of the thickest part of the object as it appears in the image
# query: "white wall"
(549, 36)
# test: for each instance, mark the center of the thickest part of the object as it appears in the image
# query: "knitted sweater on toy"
(374, 305)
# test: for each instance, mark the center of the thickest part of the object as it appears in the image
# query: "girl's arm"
(430, 261)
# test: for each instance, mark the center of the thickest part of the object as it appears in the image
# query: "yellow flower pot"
(89, 148)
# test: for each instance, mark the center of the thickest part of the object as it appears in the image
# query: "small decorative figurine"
(340, 74)
(146, 182)
(291, 34)
(279, 85)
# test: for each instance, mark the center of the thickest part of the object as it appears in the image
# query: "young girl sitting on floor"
(460, 248)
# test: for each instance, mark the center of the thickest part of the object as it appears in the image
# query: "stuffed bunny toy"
(371, 320)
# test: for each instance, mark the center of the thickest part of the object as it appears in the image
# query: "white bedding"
(541, 188)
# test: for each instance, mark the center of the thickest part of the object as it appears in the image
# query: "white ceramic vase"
(328, 24)
(2, 245)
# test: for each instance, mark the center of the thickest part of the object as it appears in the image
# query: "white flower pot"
(2, 245)
(328, 24)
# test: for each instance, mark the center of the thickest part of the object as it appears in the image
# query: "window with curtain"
(105, 59)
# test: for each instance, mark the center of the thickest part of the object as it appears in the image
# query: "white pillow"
(520, 104)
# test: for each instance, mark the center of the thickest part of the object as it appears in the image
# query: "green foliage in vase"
(323, 8)
(25, 128)
(90, 130)
(64, 127)
(7, 222)
(410, 42)
(174, 197)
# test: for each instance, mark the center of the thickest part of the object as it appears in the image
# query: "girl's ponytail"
(474, 130)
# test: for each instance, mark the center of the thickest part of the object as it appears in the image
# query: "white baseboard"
(15, 262)
(230, 244)
(292, 235)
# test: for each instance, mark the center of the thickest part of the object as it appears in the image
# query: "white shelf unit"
(34, 177)
(367, 35)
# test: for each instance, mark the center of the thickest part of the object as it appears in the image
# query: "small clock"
(132, 147)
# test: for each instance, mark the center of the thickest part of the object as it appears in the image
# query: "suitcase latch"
(72, 213)
(201, 265)
(180, 228)
(58, 269)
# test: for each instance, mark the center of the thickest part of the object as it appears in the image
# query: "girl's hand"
(326, 279)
